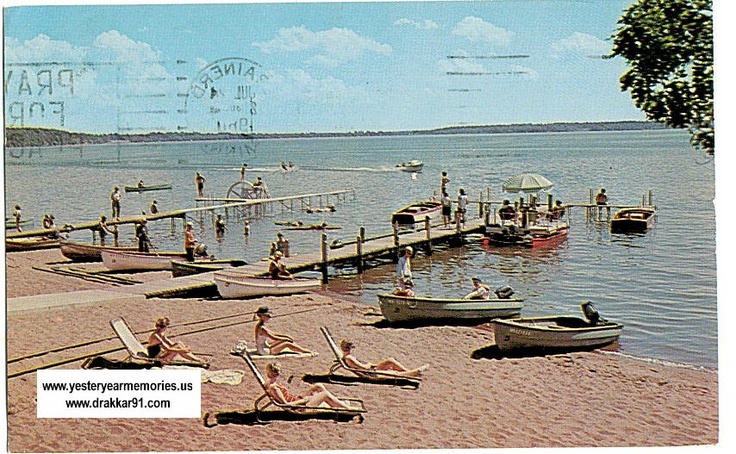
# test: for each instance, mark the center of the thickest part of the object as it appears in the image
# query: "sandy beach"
(584, 399)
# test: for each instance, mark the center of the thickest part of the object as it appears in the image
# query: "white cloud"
(42, 49)
(426, 24)
(299, 85)
(332, 47)
(478, 30)
(580, 44)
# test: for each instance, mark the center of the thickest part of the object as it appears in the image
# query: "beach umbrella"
(527, 182)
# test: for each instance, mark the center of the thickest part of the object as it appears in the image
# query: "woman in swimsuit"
(387, 365)
(272, 343)
(314, 397)
(163, 348)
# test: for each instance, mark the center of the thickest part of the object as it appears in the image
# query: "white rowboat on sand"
(138, 261)
(404, 308)
(233, 285)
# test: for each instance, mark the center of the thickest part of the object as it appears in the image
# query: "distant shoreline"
(42, 137)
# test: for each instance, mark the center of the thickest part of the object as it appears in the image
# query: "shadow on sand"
(249, 418)
(493, 352)
(347, 380)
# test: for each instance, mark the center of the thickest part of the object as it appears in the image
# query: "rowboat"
(147, 187)
(236, 285)
(411, 166)
(82, 252)
(397, 308)
(185, 268)
(24, 244)
(554, 332)
(637, 219)
(139, 261)
(416, 212)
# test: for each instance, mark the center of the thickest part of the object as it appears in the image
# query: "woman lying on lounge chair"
(272, 343)
(162, 348)
(387, 365)
(314, 397)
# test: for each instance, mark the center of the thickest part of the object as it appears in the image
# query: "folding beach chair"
(372, 376)
(136, 351)
(265, 400)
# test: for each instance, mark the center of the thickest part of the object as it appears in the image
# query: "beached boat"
(404, 308)
(139, 261)
(10, 223)
(554, 332)
(147, 187)
(236, 285)
(411, 166)
(536, 235)
(29, 244)
(637, 219)
(416, 212)
(185, 268)
(83, 252)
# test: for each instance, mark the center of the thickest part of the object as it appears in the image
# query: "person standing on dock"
(462, 206)
(403, 267)
(446, 208)
(189, 241)
(115, 197)
(141, 232)
(17, 214)
(443, 182)
(199, 180)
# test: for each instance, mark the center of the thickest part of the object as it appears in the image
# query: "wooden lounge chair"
(265, 400)
(137, 352)
(372, 376)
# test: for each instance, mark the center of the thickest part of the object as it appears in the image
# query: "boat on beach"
(184, 268)
(411, 166)
(635, 219)
(397, 308)
(83, 252)
(139, 261)
(554, 332)
(232, 285)
(416, 212)
(30, 244)
(147, 187)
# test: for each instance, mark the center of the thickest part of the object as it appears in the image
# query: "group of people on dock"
(461, 201)
(271, 343)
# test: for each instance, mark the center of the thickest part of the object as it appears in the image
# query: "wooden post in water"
(428, 231)
(480, 206)
(323, 261)
(549, 202)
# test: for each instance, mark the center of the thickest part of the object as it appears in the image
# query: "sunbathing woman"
(272, 343)
(163, 348)
(314, 397)
(387, 365)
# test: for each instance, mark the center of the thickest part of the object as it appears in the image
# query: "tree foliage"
(668, 46)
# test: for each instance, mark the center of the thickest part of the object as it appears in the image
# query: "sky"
(312, 67)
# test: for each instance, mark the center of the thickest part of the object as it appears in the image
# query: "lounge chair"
(137, 352)
(265, 399)
(372, 376)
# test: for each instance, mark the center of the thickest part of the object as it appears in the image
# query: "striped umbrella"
(527, 182)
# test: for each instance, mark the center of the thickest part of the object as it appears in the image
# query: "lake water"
(660, 285)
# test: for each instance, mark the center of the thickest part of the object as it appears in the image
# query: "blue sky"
(315, 66)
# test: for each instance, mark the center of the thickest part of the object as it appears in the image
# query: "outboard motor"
(504, 292)
(200, 250)
(591, 313)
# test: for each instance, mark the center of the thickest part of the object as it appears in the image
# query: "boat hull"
(416, 212)
(633, 220)
(153, 187)
(183, 268)
(553, 332)
(402, 308)
(534, 236)
(18, 245)
(138, 261)
(236, 286)
(411, 166)
(80, 252)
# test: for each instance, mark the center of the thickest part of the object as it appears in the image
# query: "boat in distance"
(396, 308)
(553, 332)
(233, 285)
(139, 261)
(84, 252)
(635, 219)
(412, 166)
(185, 268)
(147, 187)
(416, 212)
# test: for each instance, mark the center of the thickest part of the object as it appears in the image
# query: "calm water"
(661, 285)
